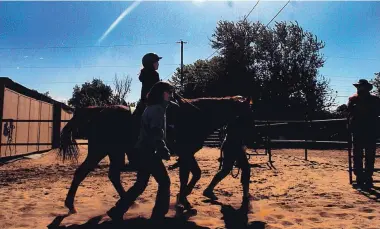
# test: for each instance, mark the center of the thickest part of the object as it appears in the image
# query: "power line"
(278, 12)
(175, 71)
(353, 58)
(166, 77)
(86, 46)
(248, 15)
(71, 82)
(251, 10)
(244, 20)
(76, 67)
(340, 76)
(212, 54)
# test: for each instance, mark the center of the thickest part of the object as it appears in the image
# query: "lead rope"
(222, 156)
(238, 171)
(185, 100)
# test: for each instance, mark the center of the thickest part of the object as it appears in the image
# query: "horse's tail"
(68, 149)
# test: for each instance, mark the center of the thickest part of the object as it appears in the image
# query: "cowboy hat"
(365, 83)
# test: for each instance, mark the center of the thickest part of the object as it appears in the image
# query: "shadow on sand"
(371, 193)
(237, 218)
(135, 223)
(233, 219)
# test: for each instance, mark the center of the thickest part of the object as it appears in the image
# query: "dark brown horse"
(113, 131)
(110, 131)
(197, 119)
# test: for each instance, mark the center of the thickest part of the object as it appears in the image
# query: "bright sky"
(351, 31)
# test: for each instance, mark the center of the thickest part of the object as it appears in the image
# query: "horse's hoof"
(71, 208)
(210, 194)
(72, 211)
(115, 215)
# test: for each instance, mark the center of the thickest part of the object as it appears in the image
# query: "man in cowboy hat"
(364, 109)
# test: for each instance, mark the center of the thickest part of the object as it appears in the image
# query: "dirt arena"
(294, 194)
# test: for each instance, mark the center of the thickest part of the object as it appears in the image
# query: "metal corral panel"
(34, 126)
(20, 103)
(44, 126)
(50, 124)
(21, 107)
(9, 112)
(22, 127)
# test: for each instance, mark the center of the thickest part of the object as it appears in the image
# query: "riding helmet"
(149, 59)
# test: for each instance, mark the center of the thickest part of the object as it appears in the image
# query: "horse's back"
(107, 125)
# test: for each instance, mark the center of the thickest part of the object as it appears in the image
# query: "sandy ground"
(294, 194)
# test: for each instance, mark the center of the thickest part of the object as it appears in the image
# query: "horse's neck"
(209, 115)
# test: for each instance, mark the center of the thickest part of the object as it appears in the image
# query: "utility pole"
(181, 42)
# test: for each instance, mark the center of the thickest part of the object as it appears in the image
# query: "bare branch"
(122, 88)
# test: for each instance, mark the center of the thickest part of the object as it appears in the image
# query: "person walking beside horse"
(364, 109)
(148, 78)
(151, 149)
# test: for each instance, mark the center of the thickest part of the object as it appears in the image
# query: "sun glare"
(198, 2)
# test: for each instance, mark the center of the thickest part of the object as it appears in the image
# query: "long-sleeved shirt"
(363, 112)
(148, 78)
(153, 128)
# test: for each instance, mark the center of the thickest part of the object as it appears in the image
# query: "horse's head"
(213, 113)
(242, 106)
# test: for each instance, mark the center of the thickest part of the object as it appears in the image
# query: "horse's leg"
(184, 173)
(117, 160)
(226, 169)
(187, 164)
(196, 172)
(245, 174)
(93, 158)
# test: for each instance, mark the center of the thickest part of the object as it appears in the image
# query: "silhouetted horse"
(113, 131)
(197, 119)
(110, 131)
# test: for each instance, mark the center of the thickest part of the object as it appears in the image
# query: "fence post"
(57, 107)
(268, 146)
(2, 88)
(349, 151)
(306, 137)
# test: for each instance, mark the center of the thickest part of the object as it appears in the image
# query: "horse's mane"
(207, 103)
(109, 107)
(236, 98)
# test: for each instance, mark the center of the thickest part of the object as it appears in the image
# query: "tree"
(47, 94)
(277, 66)
(341, 111)
(376, 83)
(122, 89)
(200, 78)
(94, 93)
